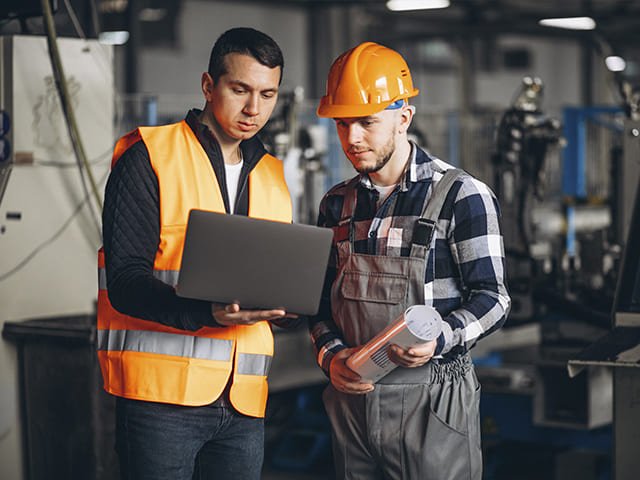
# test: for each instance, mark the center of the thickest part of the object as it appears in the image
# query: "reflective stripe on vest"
(165, 344)
(253, 364)
(146, 360)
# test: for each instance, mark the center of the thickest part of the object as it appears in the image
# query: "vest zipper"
(239, 194)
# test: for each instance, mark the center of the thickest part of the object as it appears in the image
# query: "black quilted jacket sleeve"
(131, 232)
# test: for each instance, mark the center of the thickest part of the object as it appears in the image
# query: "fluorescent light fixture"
(404, 5)
(570, 23)
(152, 14)
(114, 38)
(615, 63)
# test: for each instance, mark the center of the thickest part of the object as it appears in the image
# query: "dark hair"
(247, 41)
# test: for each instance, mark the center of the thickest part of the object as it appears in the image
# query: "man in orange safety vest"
(190, 376)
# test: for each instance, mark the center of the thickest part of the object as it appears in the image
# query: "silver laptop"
(259, 264)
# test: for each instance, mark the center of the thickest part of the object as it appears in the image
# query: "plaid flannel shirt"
(465, 274)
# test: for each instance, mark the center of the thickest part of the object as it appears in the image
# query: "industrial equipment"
(294, 135)
(620, 348)
(563, 244)
(565, 225)
(47, 227)
(525, 134)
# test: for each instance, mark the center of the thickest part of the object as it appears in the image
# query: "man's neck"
(230, 147)
(392, 172)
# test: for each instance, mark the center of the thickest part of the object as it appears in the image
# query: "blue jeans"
(158, 441)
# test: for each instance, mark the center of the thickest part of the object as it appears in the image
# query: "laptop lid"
(259, 264)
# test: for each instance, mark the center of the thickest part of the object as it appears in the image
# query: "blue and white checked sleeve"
(476, 245)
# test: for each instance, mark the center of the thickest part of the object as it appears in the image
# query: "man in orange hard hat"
(409, 229)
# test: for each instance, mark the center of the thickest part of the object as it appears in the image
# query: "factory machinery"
(565, 226)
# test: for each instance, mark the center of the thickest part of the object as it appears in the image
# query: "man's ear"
(406, 116)
(207, 86)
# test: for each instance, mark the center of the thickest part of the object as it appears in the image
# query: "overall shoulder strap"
(344, 232)
(425, 225)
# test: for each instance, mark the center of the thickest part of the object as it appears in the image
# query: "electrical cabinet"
(48, 236)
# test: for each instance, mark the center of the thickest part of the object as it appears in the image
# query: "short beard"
(383, 158)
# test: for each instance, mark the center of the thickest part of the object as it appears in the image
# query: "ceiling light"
(403, 5)
(615, 63)
(113, 38)
(571, 23)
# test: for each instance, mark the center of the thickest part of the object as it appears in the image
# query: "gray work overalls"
(418, 423)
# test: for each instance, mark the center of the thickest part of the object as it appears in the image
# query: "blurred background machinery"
(565, 222)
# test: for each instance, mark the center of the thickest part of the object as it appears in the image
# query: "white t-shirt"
(384, 192)
(232, 172)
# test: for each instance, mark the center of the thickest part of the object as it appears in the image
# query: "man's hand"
(412, 357)
(343, 378)
(229, 315)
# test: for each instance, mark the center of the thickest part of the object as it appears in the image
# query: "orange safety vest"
(146, 360)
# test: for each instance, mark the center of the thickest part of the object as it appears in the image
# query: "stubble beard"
(383, 158)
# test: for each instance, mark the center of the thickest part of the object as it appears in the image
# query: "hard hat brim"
(328, 110)
(346, 111)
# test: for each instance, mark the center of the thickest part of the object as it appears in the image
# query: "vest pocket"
(374, 287)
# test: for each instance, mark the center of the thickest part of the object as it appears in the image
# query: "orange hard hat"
(366, 80)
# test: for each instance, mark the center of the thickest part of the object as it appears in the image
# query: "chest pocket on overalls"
(371, 291)
(374, 287)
